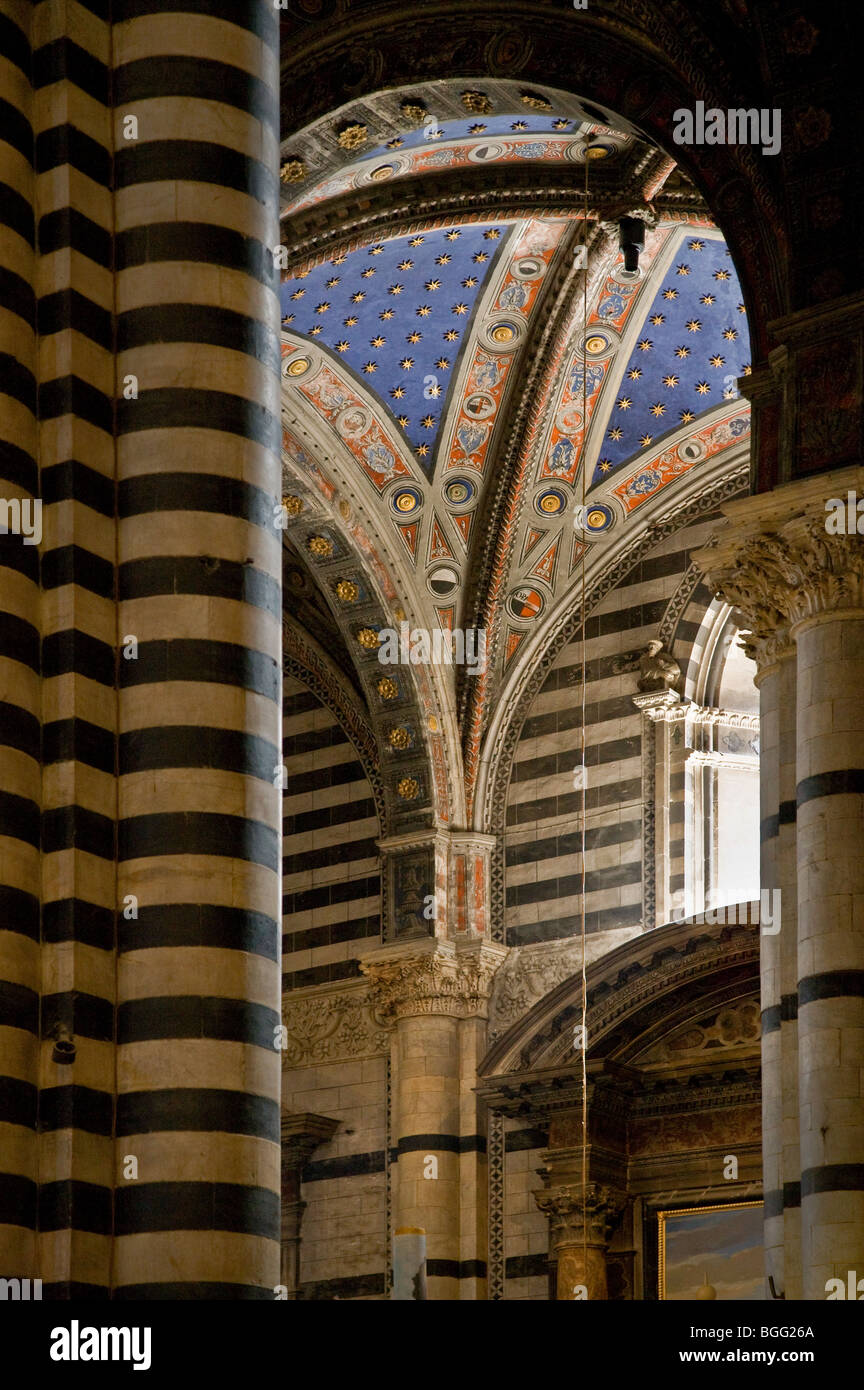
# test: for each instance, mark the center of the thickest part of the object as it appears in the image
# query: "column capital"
(778, 565)
(575, 1215)
(432, 977)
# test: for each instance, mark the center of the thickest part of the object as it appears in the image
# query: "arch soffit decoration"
(323, 503)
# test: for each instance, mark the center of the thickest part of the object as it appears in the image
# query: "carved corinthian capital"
(434, 977)
(779, 567)
(574, 1216)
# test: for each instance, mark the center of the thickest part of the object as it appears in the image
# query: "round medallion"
(486, 152)
(528, 268)
(596, 343)
(569, 419)
(479, 406)
(525, 602)
(443, 580)
(504, 334)
(296, 366)
(593, 518)
(691, 450)
(551, 502)
(353, 421)
(459, 492)
(406, 500)
(384, 171)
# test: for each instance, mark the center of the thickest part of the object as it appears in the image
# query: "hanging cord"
(582, 517)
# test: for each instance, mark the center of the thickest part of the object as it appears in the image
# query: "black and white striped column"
(20, 792)
(768, 682)
(778, 963)
(786, 867)
(200, 623)
(72, 75)
(830, 825)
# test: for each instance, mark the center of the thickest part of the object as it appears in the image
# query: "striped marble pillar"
(20, 713)
(768, 682)
(830, 795)
(786, 866)
(781, 567)
(73, 121)
(199, 584)
(434, 994)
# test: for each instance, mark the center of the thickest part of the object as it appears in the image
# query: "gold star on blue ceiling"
(698, 347)
(430, 298)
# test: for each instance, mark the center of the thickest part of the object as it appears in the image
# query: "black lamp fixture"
(631, 240)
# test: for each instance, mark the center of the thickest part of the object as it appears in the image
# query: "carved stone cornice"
(432, 977)
(576, 1214)
(661, 704)
(301, 1135)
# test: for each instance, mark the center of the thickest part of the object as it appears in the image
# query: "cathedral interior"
(431, 735)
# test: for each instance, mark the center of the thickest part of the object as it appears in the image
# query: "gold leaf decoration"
(414, 111)
(477, 103)
(351, 137)
(535, 101)
(293, 171)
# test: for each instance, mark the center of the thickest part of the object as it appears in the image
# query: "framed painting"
(711, 1252)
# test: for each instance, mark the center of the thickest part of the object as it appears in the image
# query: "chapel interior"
(431, 735)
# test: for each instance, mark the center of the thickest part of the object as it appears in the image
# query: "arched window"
(721, 771)
(700, 779)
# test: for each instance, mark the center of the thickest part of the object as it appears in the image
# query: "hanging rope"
(582, 642)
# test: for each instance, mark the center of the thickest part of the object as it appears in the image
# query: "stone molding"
(667, 707)
(433, 977)
(301, 1135)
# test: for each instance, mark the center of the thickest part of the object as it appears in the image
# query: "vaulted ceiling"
(473, 423)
